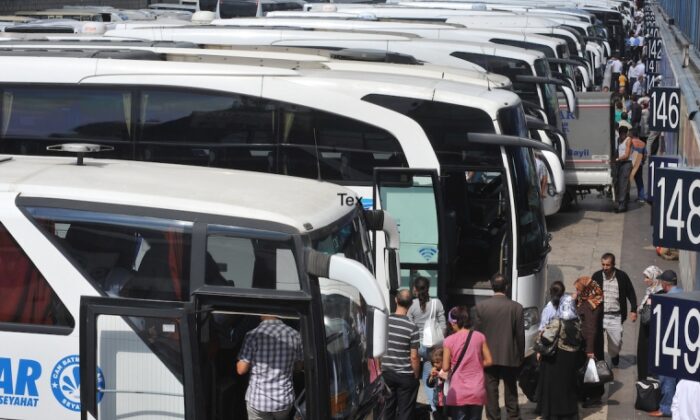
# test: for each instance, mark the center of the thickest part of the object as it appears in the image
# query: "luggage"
(529, 377)
(648, 395)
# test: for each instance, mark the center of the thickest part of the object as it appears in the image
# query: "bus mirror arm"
(352, 273)
(504, 140)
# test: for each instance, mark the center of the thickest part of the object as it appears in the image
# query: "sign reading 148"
(665, 109)
(677, 209)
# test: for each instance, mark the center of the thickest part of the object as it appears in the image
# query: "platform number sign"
(651, 65)
(654, 48)
(650, 80)
(674, 339)
(676, 209)
(656, 163)
(653, 32)
(664, 109)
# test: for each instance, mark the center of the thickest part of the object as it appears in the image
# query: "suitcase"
(648, 395)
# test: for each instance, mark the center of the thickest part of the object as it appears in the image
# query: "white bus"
(552, 48)
(128, 289)
(475, 198)
(528, 69)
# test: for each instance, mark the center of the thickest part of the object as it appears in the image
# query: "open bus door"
(134, 360)
(177, 360)
(413, 197)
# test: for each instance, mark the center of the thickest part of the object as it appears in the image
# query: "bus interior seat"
(154, 278)
(104, 253)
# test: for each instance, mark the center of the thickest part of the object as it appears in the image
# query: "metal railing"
(686, 16)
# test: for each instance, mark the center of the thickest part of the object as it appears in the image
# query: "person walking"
(638, 158)
(465, 355)
(501, 321)
(401, 364)
(669, 284)
(558, 390)
(653, 286)
(618, 290)
(623, 166)
(421, 311)
(271, 352)
(589, 306)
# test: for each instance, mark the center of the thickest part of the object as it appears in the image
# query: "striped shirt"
(271, 349)
(403, 336)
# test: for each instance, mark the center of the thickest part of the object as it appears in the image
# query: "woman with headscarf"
(589, 305)
(653, 286)
(557, 388)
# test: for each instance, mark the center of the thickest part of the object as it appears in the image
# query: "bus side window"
(249, 263)
(127, 256)
(27, 298)
(35, 117)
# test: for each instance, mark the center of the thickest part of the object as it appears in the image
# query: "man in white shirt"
(638, 87)
(685, 405)
(616, 69)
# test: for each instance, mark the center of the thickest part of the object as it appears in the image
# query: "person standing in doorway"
(618, 290)
(271, 352)
(501, 321)
(401, 365)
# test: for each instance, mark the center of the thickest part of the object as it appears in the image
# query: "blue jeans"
(427, 366)
(466, 412)
(668, 389)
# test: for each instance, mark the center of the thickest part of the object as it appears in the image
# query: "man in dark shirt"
(501, 321)
(401, 364)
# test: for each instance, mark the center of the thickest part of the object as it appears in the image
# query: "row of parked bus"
(429, 116)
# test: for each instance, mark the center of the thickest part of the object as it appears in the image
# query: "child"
(435, 382)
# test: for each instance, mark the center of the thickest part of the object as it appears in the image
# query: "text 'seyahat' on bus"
(451, 160)
(128, 288)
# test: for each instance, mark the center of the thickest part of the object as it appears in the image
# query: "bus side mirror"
(380, 220)
(355, 274)
(352, 273)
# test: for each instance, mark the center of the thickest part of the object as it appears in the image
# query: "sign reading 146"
(665, 109)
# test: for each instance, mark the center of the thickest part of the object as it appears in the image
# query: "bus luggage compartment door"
(136, 359)
(590, 138)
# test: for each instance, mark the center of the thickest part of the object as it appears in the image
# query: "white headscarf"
(651, 272)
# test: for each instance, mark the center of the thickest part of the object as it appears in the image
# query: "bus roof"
(303, 204)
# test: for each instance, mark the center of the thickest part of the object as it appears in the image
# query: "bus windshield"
(532, 243)
(474, 190)
(549, 93)
(352, 373)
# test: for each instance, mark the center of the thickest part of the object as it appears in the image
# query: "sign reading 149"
(674, 345)
(676, 209)
(665, 109)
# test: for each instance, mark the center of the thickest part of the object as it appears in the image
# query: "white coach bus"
(450, 159)
(128, 288)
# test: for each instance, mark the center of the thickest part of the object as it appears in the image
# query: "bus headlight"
(531, 316)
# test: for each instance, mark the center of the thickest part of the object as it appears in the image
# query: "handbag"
(644, 314)
(648, 395)
(546, 343)
(605, 374)
(432, 333)
(446, 385)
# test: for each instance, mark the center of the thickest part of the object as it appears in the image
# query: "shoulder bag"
(432, 334)
(547, 342)
(446, 385)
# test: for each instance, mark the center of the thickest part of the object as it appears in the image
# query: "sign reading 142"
(665, 109)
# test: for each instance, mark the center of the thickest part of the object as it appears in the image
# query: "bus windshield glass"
(549, 93)
(474, 190)
(531, 225)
